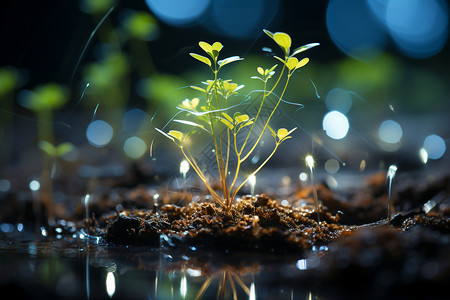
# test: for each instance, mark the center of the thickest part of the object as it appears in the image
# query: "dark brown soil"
(253, 223)
(261, 223)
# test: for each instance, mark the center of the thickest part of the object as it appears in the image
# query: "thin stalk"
(257, 170)
(222, 286)
(197, 170)
(240, 161)
(243, 286)
(267, 122)
(203, 288)
(238, 166)
(226, 164)
(233, 286)
(260, 107)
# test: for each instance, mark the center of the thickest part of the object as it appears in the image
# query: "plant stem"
(257, 170)
(197, 170)
(267, 122)
(239, 153)
(259, 110)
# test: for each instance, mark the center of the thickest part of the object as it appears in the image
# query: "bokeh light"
(335, 125)
(419, 28)
(434, 145)
(5, 185)
(178, 12)
(339, 99)
(34, 185)
(134, 119)
(360, 28)
(184, 166)
(99, 133)
(110, 284)
(241, 19)
(390, 132)
(332, 166)
(354, 29)
(303, 176)
(423, 154)
(134, 147)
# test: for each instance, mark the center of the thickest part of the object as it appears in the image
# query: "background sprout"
(54, 153)
(140, 25)
(42, 101)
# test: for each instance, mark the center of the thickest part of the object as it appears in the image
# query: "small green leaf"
(197, 88)
(228, 60)
(260, 70)
(282, 133)
(283, 40)
(270, 34)
(165, 134)
(189, 104)
(176, 134)
(236, 114)
(206, 47)
(249, 122)
(241, 118)
(302, 63)
(291, 63)
(189, 134)
(256, 77)
(227, 116)
(217, 46)
(304, 48)
(63, 149)
(189, 123)
(201, 58)
(280, 59)
(272, 131)
(271, 69)
(48, 148)
(227, 123)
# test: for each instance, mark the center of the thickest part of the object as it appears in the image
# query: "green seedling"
(211, 114)
(53, 153)
(43, 100)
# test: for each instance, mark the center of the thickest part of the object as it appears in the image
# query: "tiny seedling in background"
(43, 100)
(53, 153)
(212, 116)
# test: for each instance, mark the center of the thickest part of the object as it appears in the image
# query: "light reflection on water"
(82, 268)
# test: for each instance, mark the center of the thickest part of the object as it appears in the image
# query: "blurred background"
(93, 78)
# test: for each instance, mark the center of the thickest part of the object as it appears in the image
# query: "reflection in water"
(227, 279)
(82, 268)
(110, 284)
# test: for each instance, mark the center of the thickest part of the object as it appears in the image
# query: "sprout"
(230, 131)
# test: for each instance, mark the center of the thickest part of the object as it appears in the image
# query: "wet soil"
(253, 223)
(259, 223)
(351, 253)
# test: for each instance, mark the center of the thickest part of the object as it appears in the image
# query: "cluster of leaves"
(215, 119)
